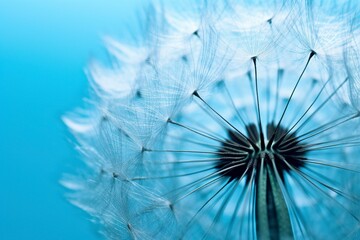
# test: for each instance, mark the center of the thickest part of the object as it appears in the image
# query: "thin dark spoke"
(312, 104)
(222, 207)
(223, 170)
(347, 167)
(170, 176)
(234, 148)
(233, 104)
(232, 220)
(249, 189)
(313, 196)
(226, 121)
(346, 195)
(345, 140)
(252, 91)
(200, 160)
(335, 142)
(196, 131)
(197, 189)
(323, 128)
(203, 206)
(262, 139)
(288, 102)
(188, 186)
(321, 106)
(280, 74)
(340, 145)
(186, 151)
(317, 187)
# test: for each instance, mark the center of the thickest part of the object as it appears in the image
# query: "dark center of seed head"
(236, 162)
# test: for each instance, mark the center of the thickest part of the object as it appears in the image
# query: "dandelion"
(232, 120)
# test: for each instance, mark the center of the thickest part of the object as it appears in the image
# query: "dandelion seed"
(234, 121)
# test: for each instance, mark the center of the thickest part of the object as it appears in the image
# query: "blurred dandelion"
(231, 120)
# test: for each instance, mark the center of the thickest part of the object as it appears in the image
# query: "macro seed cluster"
(226, 120)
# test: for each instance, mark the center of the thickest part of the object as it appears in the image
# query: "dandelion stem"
(272, 217)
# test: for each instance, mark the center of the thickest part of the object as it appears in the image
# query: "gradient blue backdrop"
(44, 47)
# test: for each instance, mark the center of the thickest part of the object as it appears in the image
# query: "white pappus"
(226, 120)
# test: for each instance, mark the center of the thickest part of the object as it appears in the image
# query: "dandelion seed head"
(228, 120)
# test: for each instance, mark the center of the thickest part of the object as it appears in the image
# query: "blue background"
(44, 48)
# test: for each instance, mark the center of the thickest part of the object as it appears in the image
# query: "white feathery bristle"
(225, 120)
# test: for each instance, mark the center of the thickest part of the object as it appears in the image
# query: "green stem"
(272, 215)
